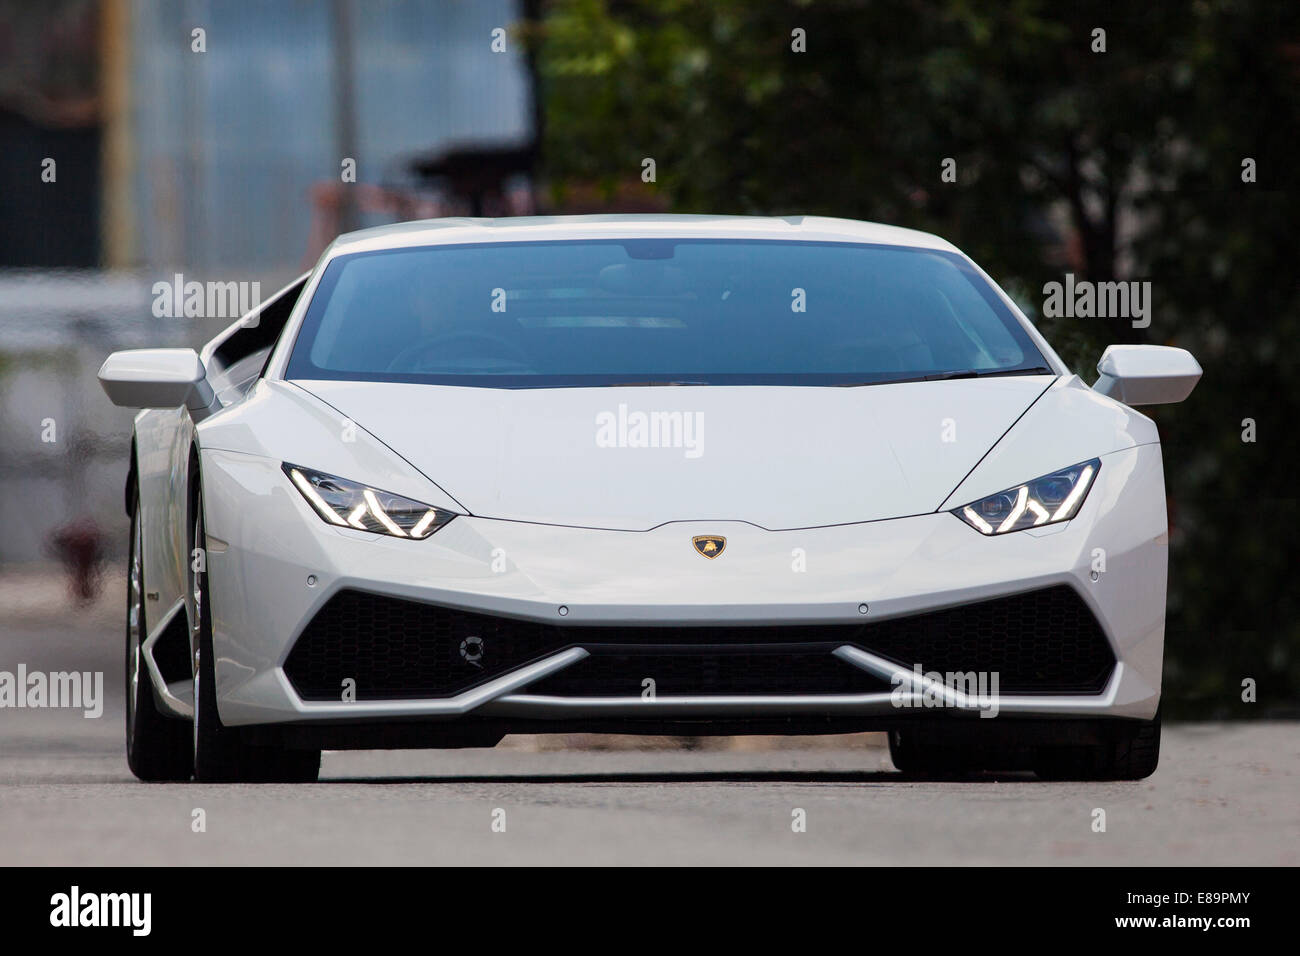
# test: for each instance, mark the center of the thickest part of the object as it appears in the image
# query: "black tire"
(1116, 750)
(1130, 751)
(159, 747)
(220, 755)
(945, 753)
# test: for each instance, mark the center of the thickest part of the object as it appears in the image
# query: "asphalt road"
(1224, 794)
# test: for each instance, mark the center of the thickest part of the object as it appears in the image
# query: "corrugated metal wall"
(229, 141)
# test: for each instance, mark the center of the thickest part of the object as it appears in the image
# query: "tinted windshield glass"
(609, 312)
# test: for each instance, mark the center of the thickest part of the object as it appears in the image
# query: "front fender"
(163, 440)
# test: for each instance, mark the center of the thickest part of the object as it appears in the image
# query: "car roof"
(535, 228)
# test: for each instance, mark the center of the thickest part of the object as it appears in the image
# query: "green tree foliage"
(1123, 164)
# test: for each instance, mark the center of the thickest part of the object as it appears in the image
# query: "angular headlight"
(1047, 500)
(352, 505)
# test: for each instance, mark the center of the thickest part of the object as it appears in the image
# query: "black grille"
(397, 649)
(1042, 642)
(610, 671)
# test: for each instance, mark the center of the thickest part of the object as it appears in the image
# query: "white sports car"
(643, 474)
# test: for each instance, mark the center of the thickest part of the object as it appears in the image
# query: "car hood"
(777, 457)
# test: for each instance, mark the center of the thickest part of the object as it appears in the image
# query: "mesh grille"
(689, 673)
(396, 649)
(1042, 642)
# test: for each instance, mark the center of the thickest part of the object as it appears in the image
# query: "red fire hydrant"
(79, 544)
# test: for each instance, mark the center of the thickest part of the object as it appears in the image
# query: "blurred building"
(209, 137)
(213, 133)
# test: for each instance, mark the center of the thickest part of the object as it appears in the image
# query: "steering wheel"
(409, 359)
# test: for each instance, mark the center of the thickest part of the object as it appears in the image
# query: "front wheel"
(953, 752)
(158, 746)
(220, 755)
(1130, 750)
(1107, 749)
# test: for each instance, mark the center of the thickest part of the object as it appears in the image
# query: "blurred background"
(211, 139)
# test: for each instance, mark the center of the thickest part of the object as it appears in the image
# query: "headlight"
(1046, 500)
(352, 505)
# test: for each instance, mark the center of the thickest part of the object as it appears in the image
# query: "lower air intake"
(1041, 642)
(401, 650)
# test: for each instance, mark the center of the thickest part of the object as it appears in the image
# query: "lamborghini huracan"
(643, 474)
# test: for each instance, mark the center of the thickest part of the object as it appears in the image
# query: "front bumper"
(266, 545)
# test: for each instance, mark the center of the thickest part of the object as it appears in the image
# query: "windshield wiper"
(947, 376)
(985, 373)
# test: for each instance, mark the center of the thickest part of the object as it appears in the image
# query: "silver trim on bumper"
(896, 674)
(538, 706)
(458, 706)
(497, 698)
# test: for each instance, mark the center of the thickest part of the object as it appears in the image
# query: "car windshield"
(657, 311)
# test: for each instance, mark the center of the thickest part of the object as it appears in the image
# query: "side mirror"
(158, 378)
(1147, 374)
